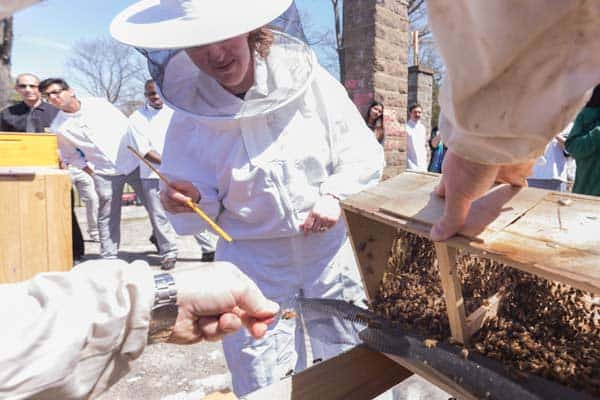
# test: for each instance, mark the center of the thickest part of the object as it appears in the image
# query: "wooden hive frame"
(552, 235)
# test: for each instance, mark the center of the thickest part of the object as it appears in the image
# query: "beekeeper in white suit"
(267, 143)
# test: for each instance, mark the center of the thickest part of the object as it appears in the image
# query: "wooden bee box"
(28, 150)
(35, 216)
(551, 235)
(548, 234)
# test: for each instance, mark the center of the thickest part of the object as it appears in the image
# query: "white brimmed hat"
(175, 24)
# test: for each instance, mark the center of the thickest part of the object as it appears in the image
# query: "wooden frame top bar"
(552, 235)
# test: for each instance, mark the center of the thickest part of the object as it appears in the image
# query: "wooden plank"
(34, 227)
(27, 149)
(488, 215)
(220, 396)
(36, 219)
(452, 291)
(372, 243)
(434, 377)
(58, 213)
(10, 243)
(560, 258)
(487, 311)
(358, 374)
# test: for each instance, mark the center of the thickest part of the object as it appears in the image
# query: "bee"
(288, 314)
(374, 324)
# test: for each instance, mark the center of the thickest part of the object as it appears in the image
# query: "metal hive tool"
(481, 376)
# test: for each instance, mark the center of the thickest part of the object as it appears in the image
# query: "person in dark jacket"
(31, 114)
(583, 144)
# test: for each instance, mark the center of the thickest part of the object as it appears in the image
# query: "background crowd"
(93, 139)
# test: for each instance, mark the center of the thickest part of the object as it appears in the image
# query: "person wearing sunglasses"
(31, 114)
(93, 136)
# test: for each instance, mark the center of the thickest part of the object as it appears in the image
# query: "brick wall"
(375, 62)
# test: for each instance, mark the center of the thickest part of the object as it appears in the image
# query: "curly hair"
(261, 40)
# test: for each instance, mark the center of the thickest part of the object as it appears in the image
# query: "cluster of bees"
(542, 327)
(549, 329)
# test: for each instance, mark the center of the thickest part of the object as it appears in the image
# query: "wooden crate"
(35, 215)
(551, 235)
(28, 150)
(548, 234)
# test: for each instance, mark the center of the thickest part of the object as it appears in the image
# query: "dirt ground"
(169, 372)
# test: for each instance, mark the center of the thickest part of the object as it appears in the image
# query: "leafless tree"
(339, 36)
(106, 68)
(6, 40)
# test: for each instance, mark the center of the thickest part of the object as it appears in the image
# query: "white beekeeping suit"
(261, 160)
(71, 335)
(260, 165)
(517, 72)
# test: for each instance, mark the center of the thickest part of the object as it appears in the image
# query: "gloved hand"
(217, 299)
(465, 181)
(325, 214)
(175, 196)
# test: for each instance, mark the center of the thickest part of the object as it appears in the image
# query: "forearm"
(499, 74)
(74, 333)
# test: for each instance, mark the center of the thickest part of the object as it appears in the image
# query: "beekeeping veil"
(162, 29)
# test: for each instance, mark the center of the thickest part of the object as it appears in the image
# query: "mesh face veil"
(279, 78)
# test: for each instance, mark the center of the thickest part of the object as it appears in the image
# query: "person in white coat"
(93, 135)
(70, 335)
(550, 170)
(416, 140)
(267, 143)
(516, 73)
(149, 125)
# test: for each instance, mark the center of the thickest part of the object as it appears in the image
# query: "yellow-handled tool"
(189, 203)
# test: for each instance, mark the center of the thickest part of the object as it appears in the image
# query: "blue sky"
(45, 32)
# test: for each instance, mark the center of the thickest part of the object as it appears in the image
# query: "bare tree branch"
(106, 68)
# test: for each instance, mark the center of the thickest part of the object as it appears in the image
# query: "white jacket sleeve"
(137, 137)
(180, 161)
(358, 158)
(69, 153)
(71, 335)
(517, 72)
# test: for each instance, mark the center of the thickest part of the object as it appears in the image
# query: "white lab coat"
(517, 72)
(148, 129)
(71, 335)
(553, 164)
(101, 132)
(416, 146)
(260, 174)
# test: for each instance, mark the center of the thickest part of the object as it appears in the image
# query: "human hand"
(465, 181)
(217, 299)
(175, 197)
(88, 170)
(325, 214)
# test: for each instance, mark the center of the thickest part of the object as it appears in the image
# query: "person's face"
(60, 98)
(152, 96)
(27, 87)
(415, 114)
(375, 111)
(228, 62)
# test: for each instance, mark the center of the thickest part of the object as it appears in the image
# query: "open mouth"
(225, 67)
